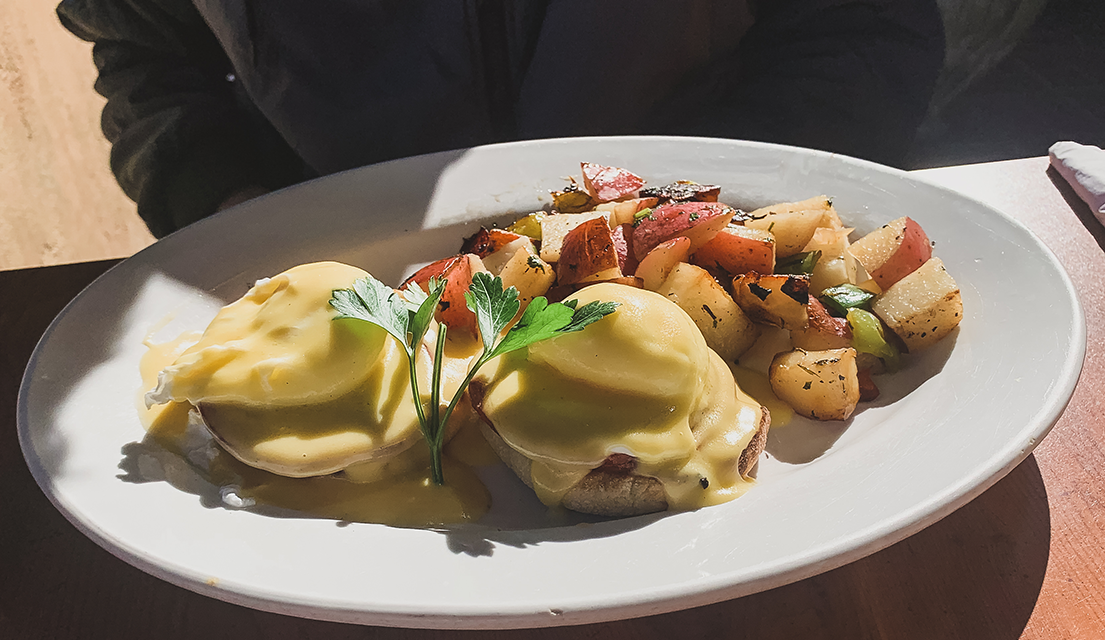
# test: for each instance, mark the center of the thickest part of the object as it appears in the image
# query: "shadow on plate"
(803, 440)
(516, 518)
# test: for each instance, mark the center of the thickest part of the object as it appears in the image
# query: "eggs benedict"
(632, 416)
(286, 389)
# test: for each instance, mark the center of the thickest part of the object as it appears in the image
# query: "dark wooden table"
(1026, 559)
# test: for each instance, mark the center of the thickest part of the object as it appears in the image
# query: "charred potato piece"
(683, 190)
(778, 300)
(823, 385)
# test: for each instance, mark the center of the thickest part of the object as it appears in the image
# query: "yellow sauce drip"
(157, 357)
(758, 386)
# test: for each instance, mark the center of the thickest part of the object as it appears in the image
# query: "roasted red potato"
(487, 241)
(555, 227)
(588, 250)
(529, 274)
(737, 249)
(623, 240)
(893, 251)
(609, 183)
(453, 309)
(625, 211)
(726, 328)
(496, 247)
(657, 265)
(792, 223)
(922, 307)
(698, 221)
(823, 385)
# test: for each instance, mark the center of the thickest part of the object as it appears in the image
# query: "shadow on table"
(975, 574)
(1079, 206)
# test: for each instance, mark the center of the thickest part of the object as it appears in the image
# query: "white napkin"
(1083, 166)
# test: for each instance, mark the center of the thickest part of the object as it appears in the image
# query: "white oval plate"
(963, 415)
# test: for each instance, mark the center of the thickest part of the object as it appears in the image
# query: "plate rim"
(866, 542)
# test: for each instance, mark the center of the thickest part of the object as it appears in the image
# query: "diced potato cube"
(727, 330)
(496, 260)
(823, 385)
(624, 212)
(529, 274)
(922, 307)
(777, 300)
(657, 265)
(609, 183)
(893, 251)
(587, 249)
(792, 223)
(836, 265)
(824, 331)
(738, 249)
(554, 228)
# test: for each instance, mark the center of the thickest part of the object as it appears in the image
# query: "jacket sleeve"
(182, 136)
(848, 76)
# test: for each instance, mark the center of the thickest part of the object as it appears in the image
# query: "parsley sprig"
(407, 319)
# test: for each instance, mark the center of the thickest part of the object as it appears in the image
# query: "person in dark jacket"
(210, 102)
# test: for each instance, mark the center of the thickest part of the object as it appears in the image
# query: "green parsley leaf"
(587, 314)
(799, 263)
(494, 307)
(421, 316)
(542, 321)
(370, 300)
(408, 319)
(841, 298)
(414, 296)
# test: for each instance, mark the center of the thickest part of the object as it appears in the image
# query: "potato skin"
(823, 332)
(699, 221)
(823, 385)
(588, 249)
(893, 251)
(737, 249)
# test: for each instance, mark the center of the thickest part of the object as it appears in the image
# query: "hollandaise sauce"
(284, 406)
(313, 415)
(640, 382)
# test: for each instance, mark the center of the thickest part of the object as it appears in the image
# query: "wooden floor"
(58, 200)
